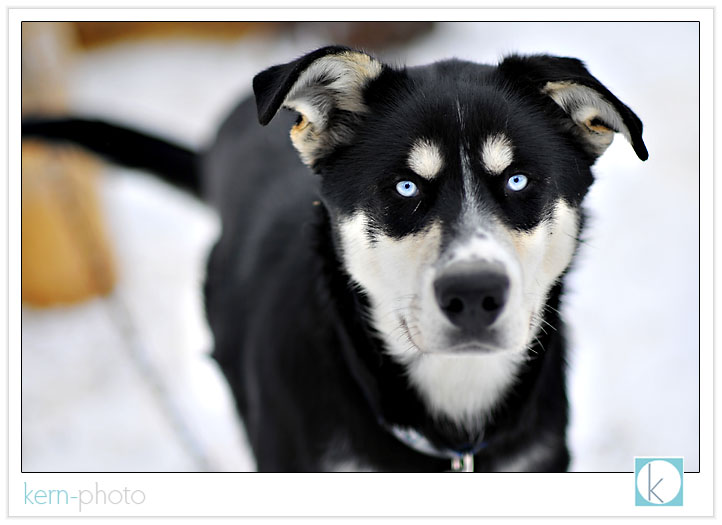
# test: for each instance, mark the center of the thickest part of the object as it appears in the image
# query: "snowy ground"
(126, 384)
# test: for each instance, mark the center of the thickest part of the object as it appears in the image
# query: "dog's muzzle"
(472, 294)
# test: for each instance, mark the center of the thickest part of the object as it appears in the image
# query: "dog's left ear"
(326, 88)
(595, 112)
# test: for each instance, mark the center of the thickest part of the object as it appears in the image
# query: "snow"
(126, 384)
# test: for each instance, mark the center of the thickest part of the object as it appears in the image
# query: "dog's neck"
(392, 396)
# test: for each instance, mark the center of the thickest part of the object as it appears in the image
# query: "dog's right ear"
(326, 88)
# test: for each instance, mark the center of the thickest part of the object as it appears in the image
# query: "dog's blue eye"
(517, 182)
(406, 188)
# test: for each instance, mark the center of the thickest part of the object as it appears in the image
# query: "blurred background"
(116, 372)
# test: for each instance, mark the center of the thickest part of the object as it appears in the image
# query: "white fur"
(398, 276)
(466, 387)
(350, 72)
(393, 273)
(583, 104)
(425, 159)
(491, 244)
(497, 153)
(545, 253)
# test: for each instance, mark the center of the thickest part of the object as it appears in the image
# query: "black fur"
(172, 162)
(312, 379)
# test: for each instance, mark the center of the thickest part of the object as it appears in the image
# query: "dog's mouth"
(473, 347)
(483, 344)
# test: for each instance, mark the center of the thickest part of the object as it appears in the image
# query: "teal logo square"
(659, 482)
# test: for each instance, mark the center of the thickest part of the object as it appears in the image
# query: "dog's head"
(454, 189)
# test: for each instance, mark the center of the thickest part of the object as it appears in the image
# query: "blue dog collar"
(461, 461)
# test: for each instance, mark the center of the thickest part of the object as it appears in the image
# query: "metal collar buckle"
(464, 463)
(460, 461)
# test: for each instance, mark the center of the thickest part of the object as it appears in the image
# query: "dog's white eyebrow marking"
(425, 159)
(497, 153)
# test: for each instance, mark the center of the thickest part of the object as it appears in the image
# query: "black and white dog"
(398, 310)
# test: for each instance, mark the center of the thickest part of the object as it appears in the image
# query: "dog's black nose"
(472, 294)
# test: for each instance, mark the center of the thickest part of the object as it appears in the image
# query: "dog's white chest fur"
(464, 388)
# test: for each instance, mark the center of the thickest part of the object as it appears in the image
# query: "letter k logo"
(659, 481)
(649, 484)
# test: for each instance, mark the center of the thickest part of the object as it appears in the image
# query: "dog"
(390, 301)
